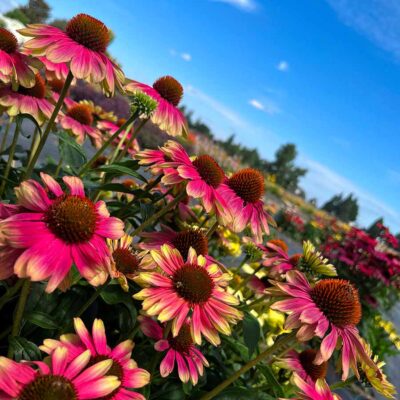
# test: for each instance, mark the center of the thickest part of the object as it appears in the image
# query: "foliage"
(345, 209)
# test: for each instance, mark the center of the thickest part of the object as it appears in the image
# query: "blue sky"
(322, 74)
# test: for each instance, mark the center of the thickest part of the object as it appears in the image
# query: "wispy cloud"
(245, 5)
(267, 106)
(378, 20)
(322, 182)
(282, 66)
(185, 56)
(217, 106)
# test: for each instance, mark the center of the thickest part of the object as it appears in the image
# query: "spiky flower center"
(191, 238)
(338, 300)
(89, 32)
(193, 283)
(209, 170)
(125, 261)
(183, 341)
(49, 387)
(72, 218)
(280, 243)
(81, 113)
(248, 184)
(8, 42)
(115, 370)
(316, 372)
(38, 90)
(169, 89)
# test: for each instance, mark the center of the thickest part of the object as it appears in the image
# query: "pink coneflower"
(122, 365)
(168, 92)
(314, 390)
(125, 263)
(189, 287)
(73, 379)
(8, 254)
(180, 350)
(55, 70)
(243, 192)
(58, 229)
(204, 177)
(56, 85)
(82, 46)
(78, 121)
(111, 127)
(303, 364)
(330, 305)
(27, 101)
(15, 67)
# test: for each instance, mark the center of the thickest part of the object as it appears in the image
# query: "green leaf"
(251, 332)
(24, 349)
(71, 152)
(119, 169)
(19, 119)
(113, 294)
(42, 320)
(241, 393)
(272, 381)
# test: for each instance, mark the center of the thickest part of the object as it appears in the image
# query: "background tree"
(37, 11)
(345, 209)
(283, 168)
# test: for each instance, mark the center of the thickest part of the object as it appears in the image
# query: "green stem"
(342, 385)
(10, 159)
(155, 217)
(58, 168)
(10, 293)
(120, 144)
(239, 267)
(90, 300)
(52, 119)
(4, 141)
(282, 341)
(153, 183)
(131, 139)
(19, 312)
(212, 229)
(34, 144)
(101, 150)
(257, 301)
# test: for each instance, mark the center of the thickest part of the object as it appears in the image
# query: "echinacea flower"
(318, 390)
(27, 101)
(204, 176)
(55, 70)
(111, 127)
(330, 305)
(122, 365)
(190, 286)
(78, 121)
(82, 46)
(313, 261)
(57, 229)
(15, 68)
(66, 377)
(168, 92)
(125, 263)
(180, 350)
(375, 377)
(243, 193)
(98, 112)
(56, 85)
(303, 364)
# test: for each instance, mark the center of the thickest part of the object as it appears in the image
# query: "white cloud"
(245, 5)
(282, 66)
(378, 20)
(322, 182)
(268, 106)
(186, 56)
